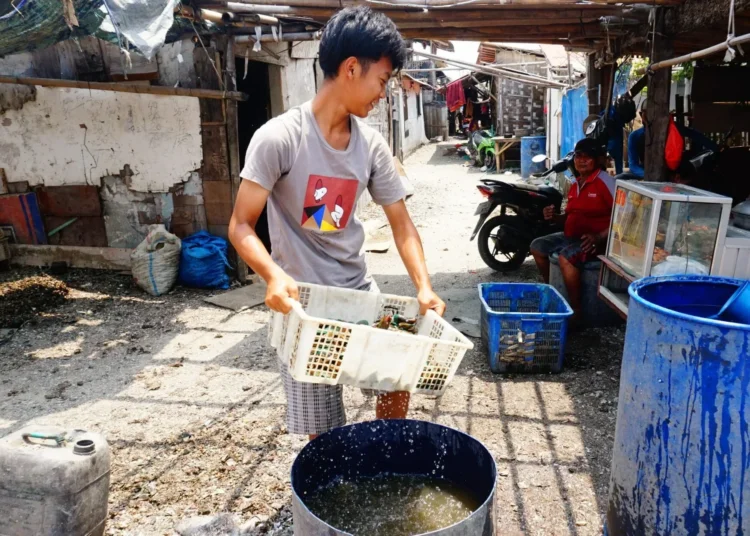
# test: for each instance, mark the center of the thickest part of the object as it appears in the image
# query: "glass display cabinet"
(660, 228)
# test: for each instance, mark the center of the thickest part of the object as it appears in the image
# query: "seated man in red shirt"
(586, 222)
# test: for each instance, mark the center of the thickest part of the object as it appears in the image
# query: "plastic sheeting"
(35, 24)
(144, 23)
(575, 109)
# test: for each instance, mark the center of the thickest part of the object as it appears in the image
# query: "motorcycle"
(505, 240)
(480, 149)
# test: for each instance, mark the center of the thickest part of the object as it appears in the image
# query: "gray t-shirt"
(315, 233)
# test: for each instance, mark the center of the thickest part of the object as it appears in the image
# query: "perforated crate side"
(324, 357)
(530, 343)
(439, 368)
(391, 304)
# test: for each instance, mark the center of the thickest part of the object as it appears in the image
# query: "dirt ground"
(190, 400)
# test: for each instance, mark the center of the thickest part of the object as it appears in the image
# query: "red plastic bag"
(675, 147)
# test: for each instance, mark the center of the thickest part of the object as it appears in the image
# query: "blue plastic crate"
(524, 326)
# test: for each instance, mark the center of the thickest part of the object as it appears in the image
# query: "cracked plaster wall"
(78, 136)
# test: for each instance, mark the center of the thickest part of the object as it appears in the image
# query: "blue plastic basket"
(524, 326)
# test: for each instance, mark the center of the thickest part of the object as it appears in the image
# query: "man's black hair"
(362, 33)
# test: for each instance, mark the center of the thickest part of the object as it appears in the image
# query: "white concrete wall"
(294, 75)
(291, 85)
(77, 136)
(414, 125)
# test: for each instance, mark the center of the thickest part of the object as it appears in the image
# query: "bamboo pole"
(126, 88)
(211, 16)
(266, 38)
(495, 71)
(249, 18)
(721, 47)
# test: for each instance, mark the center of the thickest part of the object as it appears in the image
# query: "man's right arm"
(251, 198)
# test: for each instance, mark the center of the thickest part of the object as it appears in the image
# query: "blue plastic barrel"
(402, 447)
(682, 446)
(530, 147)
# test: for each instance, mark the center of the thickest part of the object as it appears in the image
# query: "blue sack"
(203, 261)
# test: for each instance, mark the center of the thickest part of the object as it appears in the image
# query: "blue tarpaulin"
(575, 109)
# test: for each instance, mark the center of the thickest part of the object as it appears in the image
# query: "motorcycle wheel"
(500, 257)
(489, 161)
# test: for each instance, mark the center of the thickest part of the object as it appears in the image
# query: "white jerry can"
(53, 482)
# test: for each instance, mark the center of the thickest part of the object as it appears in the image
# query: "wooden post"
(499, 102)
(233, 144)
(657, 124)
(401, 125)
(594, 86)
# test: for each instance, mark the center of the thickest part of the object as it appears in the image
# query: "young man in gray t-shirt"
(311, 165)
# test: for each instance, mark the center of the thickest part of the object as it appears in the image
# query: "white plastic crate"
(321, 342)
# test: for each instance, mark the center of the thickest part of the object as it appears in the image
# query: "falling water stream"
(391, 505)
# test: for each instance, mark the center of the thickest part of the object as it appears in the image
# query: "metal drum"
(405, 447)
(682, 446)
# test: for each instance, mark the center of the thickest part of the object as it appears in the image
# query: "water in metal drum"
(392, 505)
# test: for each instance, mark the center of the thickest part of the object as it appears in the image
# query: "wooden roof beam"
(529, 23)
(501, 4)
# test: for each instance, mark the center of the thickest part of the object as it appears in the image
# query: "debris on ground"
(221, 525)
(22, 300)
(241, 298)
(57, 391)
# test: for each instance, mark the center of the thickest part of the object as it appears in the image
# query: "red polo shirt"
(590, 202)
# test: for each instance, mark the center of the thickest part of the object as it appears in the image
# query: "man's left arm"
(409, 246)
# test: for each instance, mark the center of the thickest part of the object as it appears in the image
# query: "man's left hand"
(429, 300)
(589, 243)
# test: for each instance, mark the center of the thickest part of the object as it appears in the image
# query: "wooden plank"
(659, 86)
(75, 257)
(84, 231)
(139, 69)
(207, 79)
(304, 50)
(69, 201)
(233, 144)
(721, 84)
(215, 156)
(125, 88)
(89, 60)
(46, 62)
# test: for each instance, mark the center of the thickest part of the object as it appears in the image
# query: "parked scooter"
(481, 149)
(505, 240)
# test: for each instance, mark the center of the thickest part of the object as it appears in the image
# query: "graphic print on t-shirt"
(328, 203)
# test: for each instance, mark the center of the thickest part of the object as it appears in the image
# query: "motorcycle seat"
(547, 190)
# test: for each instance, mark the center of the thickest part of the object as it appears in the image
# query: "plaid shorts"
(314, 408)
(570, 248)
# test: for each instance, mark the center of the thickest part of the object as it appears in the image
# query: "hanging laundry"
(454, 95)
(469, 111)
